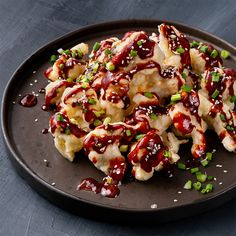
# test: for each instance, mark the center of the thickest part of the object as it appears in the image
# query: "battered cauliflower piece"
(68, 138)
(147, 107)
(149, 154)
(175, 46)
(54, 91)
(69, 64)
(81, 105)
(204, 57)
(186, 117)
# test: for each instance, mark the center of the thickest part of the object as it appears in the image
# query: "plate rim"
(28, 172)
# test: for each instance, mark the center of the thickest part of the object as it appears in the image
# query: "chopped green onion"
(97, 122)
(194, 170)
(95, 68)
(153, 116)
(175, 97)
(139, 136)
(53, 58)
(96, 46)
(84, 85)
(194, 44)
(222, 117)
(233, 99)
(209, 188)
(186, 88)
(107, 120)
(110, 66)
(69, 79)
(215, 77)
(203, 191)
(210, 177)
(67, 131)
(166, 153)
(214, 53)
(139, 43)
(225, 54)
(80, 53)
(215, 94)
(204, 48)
(133, 53)
(197, 186)
(148, 94)
(128, 132)
(124, 148)
(204, 162)
(61, 66)
(60, 118)
(99, 113)
(67, 51)
(184, 75)
(188, 185)
(181, 166)
(180, 50)
(92, 101)
(209, 156)
(107, 51)
(230, 128)
(201, 177)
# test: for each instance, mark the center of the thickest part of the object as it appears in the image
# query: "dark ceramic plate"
(29, 147)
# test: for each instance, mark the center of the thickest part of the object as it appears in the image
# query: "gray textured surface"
(25, 26)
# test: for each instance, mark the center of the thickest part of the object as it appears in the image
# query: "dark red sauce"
(177, 41)
(65, 125)
(47, 72)
(44, 131)
(183, 123)
(151, 149)
(106, 190)
(191, 102)
(28, 100)
(123, 58)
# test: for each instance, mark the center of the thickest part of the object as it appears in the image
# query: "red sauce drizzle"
(64, 124)
(151, 148)
(123, 58)
(177, 41)
(28, 100)
(183, 123)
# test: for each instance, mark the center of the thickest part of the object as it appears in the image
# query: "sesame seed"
(154, 206)
(225, 171)
(179, 192)
(219, 166)
(35, 81)
(175, 200)
(220, 183)
(53, 183)
(31, 84)
(215, 178)
(36, 120)
(13, 102)
(34, 71)
(19, 95)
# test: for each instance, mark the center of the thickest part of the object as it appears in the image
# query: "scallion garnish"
(107, 120)
(139, 136)
(139, 43)
(153, 116)
(204, 162)
(92, 101)
(53, 58)
(181, 166)
(128, 132)
(197, 186)
(188, 185)
(97, 123)
(96, 46)
(60, 118)
(180, 50)
(133, 53)
(194, 44)
(233, 98)
(209, 156)
(209, 188)
(175, 97)
(67, 131)
(204, 48)
(225, 54)
(201, 177)
(210, 177)
(215, 94)
(186, 88)
(194, 170)
(214, 53)
(107, 51)
(148, 94)
(230, 128)
(110, 66)
(166, 153)
(124, 148)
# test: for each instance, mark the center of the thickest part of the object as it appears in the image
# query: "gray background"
(26, 25)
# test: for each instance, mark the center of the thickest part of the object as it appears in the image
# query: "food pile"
(137, 99)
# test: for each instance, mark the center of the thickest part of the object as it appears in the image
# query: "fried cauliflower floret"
(174, 45)
(54, 91)
(149, 154)
(204, 57)
(69, 64)
(81, 105)
(148, 108)
(102, 146)
(68, 138)
(186, 117)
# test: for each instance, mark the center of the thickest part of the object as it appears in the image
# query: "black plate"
(29, 147)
